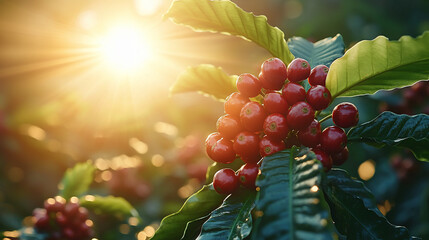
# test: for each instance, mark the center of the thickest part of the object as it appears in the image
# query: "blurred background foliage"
(62, 103)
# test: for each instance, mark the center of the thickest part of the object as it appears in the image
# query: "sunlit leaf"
(232, 220)
(110, 205)
(322, 52)
(380, 64)
(206, 79)
(226, 17)
(391, 129)
(290, 204)
(196, 206)
(354, 210)
(76, 180)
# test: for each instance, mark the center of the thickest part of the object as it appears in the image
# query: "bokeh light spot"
(366, 170)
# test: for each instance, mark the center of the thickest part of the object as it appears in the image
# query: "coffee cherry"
(69, 233)
(225, 181)
(252, 116)
(248, 85)
(273, 74)
(61, 219)
(234, 103)
(298, 70)
(247, 175)
(324, 158)
(293, 93)
(275, 126)
(300, 115)
(246, 145)
(310, 136)
(318, 97)
(341, 157)
(228, 126)
(54, 204)
(210, 142)
(345, 115)
(268, 146)
(42, 222)
(333, 139)
(275, 103)
(318, 75)
(223, 151)
(72, 208)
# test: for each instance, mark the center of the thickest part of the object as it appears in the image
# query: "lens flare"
(125, 49)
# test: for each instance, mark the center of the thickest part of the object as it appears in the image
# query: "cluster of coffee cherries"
(63, 220)
(285, 117)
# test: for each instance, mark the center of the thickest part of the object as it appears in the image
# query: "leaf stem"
(325, 118)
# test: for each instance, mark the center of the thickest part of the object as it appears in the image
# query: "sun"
(125, 49)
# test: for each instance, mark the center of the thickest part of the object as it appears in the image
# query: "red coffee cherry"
(54, 204)
(268, 146)
(345, 115)
(228, 126)
(300, 115)
(341, 157)
(248, 85)
(318, 75)
(324, 158)
(293, 93)
(275, 103)
(310, 136)
(318, 97)
(223, 151)
(210, 142)
(225, 181)
(333, 139)
(42, 222)
(246, 145)
(72, 208)
(234, 103)
(275, 126)
(252, 116)
(273, 73)
(247, 175)
(298, 70)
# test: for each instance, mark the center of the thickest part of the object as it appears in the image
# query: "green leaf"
(193, 228)
(232, 220)
(391, 129)
(354, 210)
(206, 79)
(323, 52)
(227, 18)
(110, 205)
(212, 169)
(196, 206)
(76, 180)
(379, 64)
(290, 204)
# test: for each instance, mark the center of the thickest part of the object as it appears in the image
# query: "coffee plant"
(274, 174)
(272, 123)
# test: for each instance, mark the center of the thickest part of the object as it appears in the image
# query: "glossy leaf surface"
(76, 180)
(206, 79)
(391, 129)
(290, 204)
(110, 205)
(196, 206)
(354, 210)
(226, 17)
(232, 220)
(379, 64)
